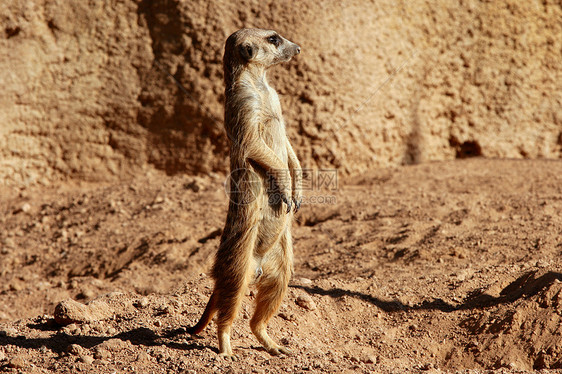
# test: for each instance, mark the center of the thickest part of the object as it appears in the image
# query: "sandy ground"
(439, 267)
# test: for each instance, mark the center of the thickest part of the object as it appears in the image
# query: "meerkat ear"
(247, 51)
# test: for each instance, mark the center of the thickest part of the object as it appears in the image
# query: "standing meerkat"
(265, 189)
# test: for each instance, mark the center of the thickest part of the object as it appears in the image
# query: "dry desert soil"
(439, 267)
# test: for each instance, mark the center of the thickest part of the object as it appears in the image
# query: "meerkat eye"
(275, 40)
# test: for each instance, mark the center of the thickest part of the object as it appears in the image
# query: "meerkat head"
(257, 46)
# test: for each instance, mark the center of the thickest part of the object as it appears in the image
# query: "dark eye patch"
(274, 39)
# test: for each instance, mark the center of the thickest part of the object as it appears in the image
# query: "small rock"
(16, 286)
(287, 316)
(71, 329)
(64, 234)
(10, 331)
(305, 281)
(9, 242)
(143, 356)
(142, 303)
(87, 294)
(306, 302)
(87, 359)
(102, 354)
(86, 329)
(26, 208)
(192, 185)
(2, 356)
(111, 331)
(75, 349)
(427, 367)
(70, 311)
(17, 363)
(157, 323)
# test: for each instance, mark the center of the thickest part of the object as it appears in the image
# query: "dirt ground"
(440, 267)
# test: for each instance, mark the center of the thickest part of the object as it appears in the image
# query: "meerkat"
(264, 190)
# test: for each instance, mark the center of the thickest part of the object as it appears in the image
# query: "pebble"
(427, 367)
(102, 354)
(10, 331)
(305, 281)
(157, 323)
(64, 234)
(26, 208)
(75, 349)
(72, 329)
(86, 329)
(87, 359)
(287, 316)
(17, 363)
(143, 356)
(142, 303)
(70, 311)
(111, 331)
(306, 302)
(9, 242)
(88, 293)
(193, 186)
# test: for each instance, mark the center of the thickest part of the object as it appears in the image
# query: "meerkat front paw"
(287, 201)
(297, 198)
(297, 188)
(297, 202)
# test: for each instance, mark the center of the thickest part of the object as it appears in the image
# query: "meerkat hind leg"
(231, 291)
(225, 349)
(226, 314)
(272, 287)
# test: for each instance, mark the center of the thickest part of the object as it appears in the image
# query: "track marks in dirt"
(446, 265)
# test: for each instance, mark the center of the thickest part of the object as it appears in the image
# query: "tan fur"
(265, 189)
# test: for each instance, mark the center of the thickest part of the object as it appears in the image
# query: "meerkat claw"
(226, 356)
(286, 351)
(288, 202)
(276, 351)
(297, 204)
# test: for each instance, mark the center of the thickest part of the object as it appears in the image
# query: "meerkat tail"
(208, 314)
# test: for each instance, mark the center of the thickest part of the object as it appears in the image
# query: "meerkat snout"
(291, 50)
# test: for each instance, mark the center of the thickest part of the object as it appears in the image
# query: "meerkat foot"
(228, 356)
(276, 351)
(285, 351)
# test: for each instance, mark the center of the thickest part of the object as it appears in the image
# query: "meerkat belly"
(275, 137)
(274, 126)
(270, 230)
